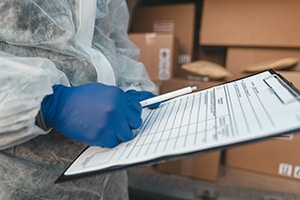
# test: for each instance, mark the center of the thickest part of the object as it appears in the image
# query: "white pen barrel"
(167, 96)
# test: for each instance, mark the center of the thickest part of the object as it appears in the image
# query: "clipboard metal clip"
(285, 91)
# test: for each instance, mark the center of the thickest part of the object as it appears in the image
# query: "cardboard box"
(177, 83)
(238, 57)
(278, 157)
(178, 19)
(158, 52)
(250, 23)
(204, 166)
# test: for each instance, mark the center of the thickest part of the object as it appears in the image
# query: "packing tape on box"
(150, 38)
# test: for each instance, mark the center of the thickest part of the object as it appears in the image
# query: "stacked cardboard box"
(259, 23)
(158, 52)
(203, 167)
(278, 157)
(176, 19)
(255, 31)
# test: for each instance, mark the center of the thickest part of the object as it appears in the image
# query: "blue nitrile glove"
(94, 113)
(142, 95)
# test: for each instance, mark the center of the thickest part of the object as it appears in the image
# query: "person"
(69, 78)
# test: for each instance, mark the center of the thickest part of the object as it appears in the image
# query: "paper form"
(242, 110)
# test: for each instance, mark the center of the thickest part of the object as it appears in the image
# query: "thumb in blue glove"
(94, 113)
(142, 95)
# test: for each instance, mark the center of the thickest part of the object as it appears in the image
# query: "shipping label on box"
(289, 170)
(164, 67)
(297, 172)
(163, 27)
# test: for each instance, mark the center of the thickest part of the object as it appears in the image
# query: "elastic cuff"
(40, 122)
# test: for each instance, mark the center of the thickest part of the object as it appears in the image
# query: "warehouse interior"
(225, 40)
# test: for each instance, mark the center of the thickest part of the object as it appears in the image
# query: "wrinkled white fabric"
(23, 84)
(68, 42)
(47, 45)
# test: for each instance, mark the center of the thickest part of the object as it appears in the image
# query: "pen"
(167, 96)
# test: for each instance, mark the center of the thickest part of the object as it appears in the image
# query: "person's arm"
(133, 74)
(24, 82)
(35, 98)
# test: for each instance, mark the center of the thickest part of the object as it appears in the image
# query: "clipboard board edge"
(64, 178)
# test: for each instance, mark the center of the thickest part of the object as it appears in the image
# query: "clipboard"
(253, 108)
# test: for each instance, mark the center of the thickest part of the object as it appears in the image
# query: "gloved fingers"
(109, 105)
(153, 106)
(124, 133)
(134, 105)
(133, 113)
(132, 93)
(147, 95)
(134, 120)
(112, 137)
(142, 95)
(108, 139)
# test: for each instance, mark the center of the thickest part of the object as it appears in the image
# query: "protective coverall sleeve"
(24, 82)
(132, 74)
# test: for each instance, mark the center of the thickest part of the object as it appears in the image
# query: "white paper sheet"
(255, 107)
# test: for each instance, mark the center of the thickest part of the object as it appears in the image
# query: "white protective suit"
(68, 42)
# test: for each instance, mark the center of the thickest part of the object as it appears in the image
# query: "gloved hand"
(142, 95)
(94, 113)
